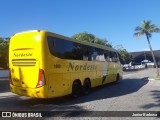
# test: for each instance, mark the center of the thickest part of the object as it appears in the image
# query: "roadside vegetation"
(155, 77)
(4, 52)
(124, 55)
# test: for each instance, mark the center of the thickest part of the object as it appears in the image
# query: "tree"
(4, 49)
(1, 40)
(125, 57)
(147, 29)
(102, 42)
(87, 37)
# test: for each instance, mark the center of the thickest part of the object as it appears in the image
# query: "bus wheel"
(86, 86)
(76, 89)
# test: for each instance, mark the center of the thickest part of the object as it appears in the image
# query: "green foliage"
(87, 37)
(1, 40)
(147, 29)
(125, 57)
(4, 52)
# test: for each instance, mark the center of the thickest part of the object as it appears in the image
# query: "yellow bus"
(46, 65)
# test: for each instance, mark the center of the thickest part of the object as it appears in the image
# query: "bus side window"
(113, 57)
(116, 59)
(94, 55)
(85, 58)
(110, 56)
(100, 55)
(54, 43)
(106, 55)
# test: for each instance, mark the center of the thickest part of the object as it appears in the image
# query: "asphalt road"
(134, 93)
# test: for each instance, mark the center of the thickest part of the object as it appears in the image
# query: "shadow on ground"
(156, 104)
(4, 86)
(67, 103)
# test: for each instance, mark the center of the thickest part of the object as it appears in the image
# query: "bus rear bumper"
(29, 92)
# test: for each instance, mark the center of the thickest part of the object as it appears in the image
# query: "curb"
(153, 79)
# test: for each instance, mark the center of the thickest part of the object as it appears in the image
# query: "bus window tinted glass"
(65, 49)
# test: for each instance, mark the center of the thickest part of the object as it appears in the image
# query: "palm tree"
(147, 29)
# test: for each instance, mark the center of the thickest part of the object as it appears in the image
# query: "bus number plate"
(57, 66)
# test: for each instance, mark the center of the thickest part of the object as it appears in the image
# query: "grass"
(155, 77)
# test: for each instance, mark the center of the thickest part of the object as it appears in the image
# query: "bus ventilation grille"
(24, 62)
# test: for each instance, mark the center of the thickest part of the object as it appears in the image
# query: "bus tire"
(86, 86)
(76, 88)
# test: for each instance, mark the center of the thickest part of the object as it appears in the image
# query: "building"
(138, 57)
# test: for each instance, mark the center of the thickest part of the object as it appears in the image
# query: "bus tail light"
(11, 82)
(41, 79)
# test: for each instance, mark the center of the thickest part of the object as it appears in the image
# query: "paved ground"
(134, 93)
(4, 73)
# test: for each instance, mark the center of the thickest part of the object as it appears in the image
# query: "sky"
(114, 20)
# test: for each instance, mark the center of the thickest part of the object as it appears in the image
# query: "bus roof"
(70, 39)
(82, 42)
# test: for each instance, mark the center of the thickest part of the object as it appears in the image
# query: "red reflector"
(41, 80)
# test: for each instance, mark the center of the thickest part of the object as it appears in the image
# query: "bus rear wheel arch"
(87, 86)
(117, 77)
(76, 88)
